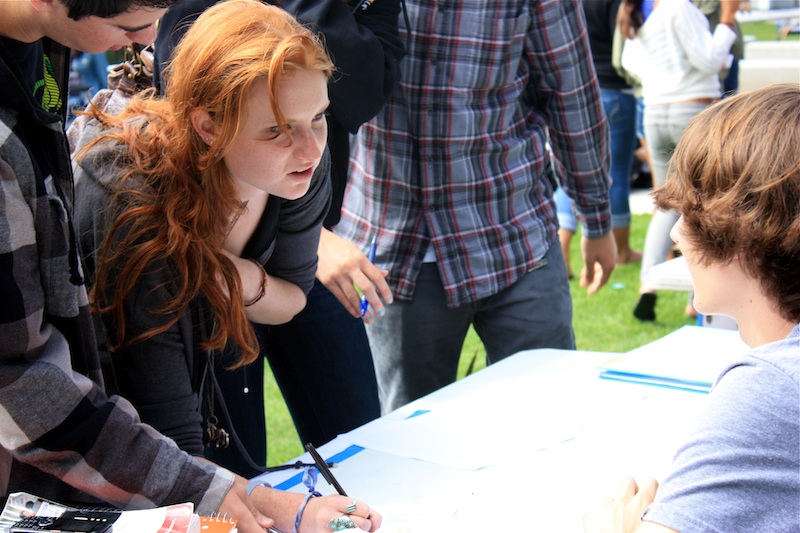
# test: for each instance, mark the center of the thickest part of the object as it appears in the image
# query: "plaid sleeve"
(54, 418)
(567, 84)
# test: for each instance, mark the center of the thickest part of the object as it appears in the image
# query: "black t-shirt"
(43, 68)
(601, 19)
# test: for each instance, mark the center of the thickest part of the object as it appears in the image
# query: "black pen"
(324, 470)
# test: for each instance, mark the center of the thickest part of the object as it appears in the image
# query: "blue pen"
(371, 256)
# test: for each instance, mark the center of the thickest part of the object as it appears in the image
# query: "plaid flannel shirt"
(61, 437)
(457, 160)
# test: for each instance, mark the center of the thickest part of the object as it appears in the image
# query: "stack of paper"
(690, 358)
(179, 518)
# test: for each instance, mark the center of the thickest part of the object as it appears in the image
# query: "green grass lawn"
(765, 31)
(602, 323)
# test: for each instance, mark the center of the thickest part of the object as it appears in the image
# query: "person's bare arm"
(281, 301)
(728, 9)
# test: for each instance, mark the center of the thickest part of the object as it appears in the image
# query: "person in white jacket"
(678, 61)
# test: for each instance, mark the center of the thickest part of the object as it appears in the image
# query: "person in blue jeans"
(619, 104)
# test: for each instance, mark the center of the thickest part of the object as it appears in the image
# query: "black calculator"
(68, 522)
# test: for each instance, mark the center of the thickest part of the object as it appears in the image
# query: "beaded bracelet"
(263, 283)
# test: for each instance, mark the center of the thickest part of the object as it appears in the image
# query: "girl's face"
(262, 158)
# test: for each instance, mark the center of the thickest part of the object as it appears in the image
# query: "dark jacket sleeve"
(171, 27)
(161, 375)
(366, 49)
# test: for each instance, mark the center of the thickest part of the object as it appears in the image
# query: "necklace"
(242, 208)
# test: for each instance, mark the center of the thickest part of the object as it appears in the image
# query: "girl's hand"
(321, 514)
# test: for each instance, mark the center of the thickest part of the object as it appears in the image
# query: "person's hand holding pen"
(318, 515)
(343, 267)
(311, 512)
(372, 519)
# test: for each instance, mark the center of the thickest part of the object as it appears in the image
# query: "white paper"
(494, 422)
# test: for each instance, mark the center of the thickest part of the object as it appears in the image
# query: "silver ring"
(351, 508)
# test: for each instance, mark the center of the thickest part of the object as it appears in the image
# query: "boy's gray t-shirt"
(740, 469)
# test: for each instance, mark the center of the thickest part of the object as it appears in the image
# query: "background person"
(450, 178)
(88, 74)
(678, 61)
(713, 10)
(619, 104)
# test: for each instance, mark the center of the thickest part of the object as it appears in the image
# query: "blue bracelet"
(303, 508)
(253, 484)
(310, 481)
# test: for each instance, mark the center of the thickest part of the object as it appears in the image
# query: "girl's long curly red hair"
(176, 197)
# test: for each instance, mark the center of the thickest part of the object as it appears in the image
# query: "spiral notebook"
(217, 524)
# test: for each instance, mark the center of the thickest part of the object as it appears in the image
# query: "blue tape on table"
(337, 458)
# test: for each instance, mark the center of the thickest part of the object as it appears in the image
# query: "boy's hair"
(735, 179)
(78, 9)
